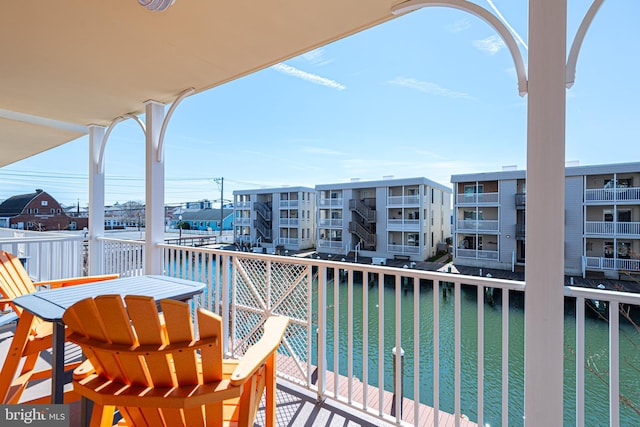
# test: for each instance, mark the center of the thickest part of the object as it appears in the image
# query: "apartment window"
(623, 250)
(468, 214)
(624, 215)
(620, 183)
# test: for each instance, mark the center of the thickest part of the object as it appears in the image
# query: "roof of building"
(205, 215)
(390, 182)
(295, 189)
(15, 205)
(569, 171)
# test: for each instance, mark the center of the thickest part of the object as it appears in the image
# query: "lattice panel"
(262, 288)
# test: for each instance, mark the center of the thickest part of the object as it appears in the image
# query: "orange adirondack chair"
(32, 335)
(157, 373)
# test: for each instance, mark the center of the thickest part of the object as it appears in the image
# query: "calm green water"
(597, 350)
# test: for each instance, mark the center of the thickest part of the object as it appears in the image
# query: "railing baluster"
(336, 330)
(416, 351)
(505, 357)
(397, 387)
(436, 353)
(580, 320)
(350, 315)
(365, 340)
(381, 344)
(457, 353)
(614, 363)
(480, 302)
(322, 331)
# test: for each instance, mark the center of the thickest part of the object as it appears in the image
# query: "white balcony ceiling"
(81, 62)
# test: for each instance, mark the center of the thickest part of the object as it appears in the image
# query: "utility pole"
(220, 182)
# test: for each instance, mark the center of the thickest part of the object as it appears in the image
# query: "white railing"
(403, 200)
(330, 244)
(403, 249)
(600, 263)
(326, 222)
(477, 225)
(289, 204)
(288, 222)
(242, 221)
(612, 228)
(612, 195)
(290, 241)
(326, 202)
(478, 198)
(46, 255)
(399, 224)
(327, 351)
(610, 307)
(476, 254)
(124, 257)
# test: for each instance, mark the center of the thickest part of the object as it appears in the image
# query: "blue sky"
(431, 94)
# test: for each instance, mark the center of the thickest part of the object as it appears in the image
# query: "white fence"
(45, 255)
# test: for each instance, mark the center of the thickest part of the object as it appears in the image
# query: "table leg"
(57, 365)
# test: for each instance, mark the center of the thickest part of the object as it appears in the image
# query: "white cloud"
(323, 151)
(459, 26)
(313, 78)
(316, 57)
(490, 45)
(429, 87)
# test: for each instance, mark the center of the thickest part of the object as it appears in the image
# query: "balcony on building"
(612, 188)
(478, 193)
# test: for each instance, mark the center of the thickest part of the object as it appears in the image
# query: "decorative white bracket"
(577, 41)
(103, 144)
(185, 93)
(485, 15)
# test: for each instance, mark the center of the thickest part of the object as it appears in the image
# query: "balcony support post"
(544, 301)
(96, 199)
(154, 212)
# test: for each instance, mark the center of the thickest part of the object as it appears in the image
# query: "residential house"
(208, 219)
(602, 219)
(275, 218)
(391, 218)
(37, 211)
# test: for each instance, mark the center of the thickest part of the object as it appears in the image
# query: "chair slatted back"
(14, 281)
(130, 346)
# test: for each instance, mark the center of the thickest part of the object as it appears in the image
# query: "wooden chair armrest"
(72, 281)
(258, 353)
(83, 371)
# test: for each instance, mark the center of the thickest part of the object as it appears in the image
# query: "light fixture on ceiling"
(156, 5)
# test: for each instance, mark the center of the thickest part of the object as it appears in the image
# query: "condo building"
(602, 219)
(386, 219)
(275, 218)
